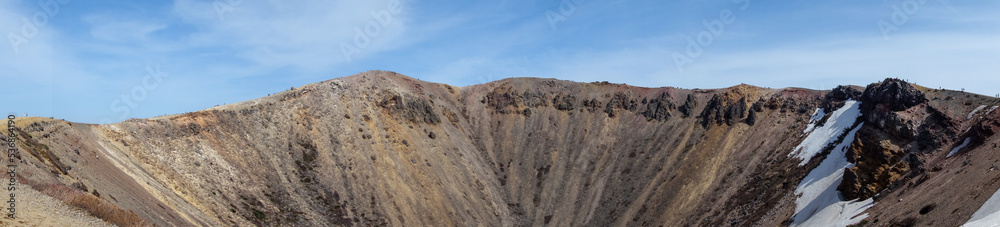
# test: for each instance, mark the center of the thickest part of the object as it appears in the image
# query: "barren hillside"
(380, 148)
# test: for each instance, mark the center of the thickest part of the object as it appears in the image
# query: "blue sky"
(106, 61)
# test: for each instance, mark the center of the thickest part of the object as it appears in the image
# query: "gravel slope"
(37, 209)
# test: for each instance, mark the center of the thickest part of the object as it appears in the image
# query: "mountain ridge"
(384, 148)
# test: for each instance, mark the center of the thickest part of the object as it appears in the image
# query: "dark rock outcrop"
(505, 100)
(835, 98)
(591, 105)
(717, 111)
(758, 106)
(712, 114)
(659, 108)
(936, 123)
(564, 102)
(736, 111)
(534, 99)
(891, 94)
(979, 133)
(413, 109)
(689, 105)
(621, 101)
(881, 100)
(788, 105)
(842, 93)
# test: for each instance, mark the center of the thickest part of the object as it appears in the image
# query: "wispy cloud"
(92, 52)
(301, 34)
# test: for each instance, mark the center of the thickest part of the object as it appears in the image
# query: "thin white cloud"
(107, 28)
(965, 60)
(226, 53)
(950, 60)
(303, 34)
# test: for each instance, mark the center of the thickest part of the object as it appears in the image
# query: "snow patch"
(840, 120)
(819, 203)
(817, 115)
(991, 110)
(974, 111)
(988, 214)
(953, 151)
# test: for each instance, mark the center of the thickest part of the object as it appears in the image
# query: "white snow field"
(988, 214)
(839, 121)
(953, 151)
(817, 115)
(819, 203)
(974, 111)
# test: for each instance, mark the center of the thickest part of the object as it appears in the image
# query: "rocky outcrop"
(935, 124)
(506, 100)
(842, 93)
(712, 114)
(591, 105)
(787, 105)
(621, 101)
(835, 98)
(758, 106)
(979, 133)
(689, 105)
(718, 111)
(659, 108)
(564, 102)
(411, 109)
(878, 163)
(751, 118)
(882, 100)
(891, 94)
(534, 99)
(735, 111)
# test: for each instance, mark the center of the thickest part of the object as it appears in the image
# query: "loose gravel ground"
(37, 209)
